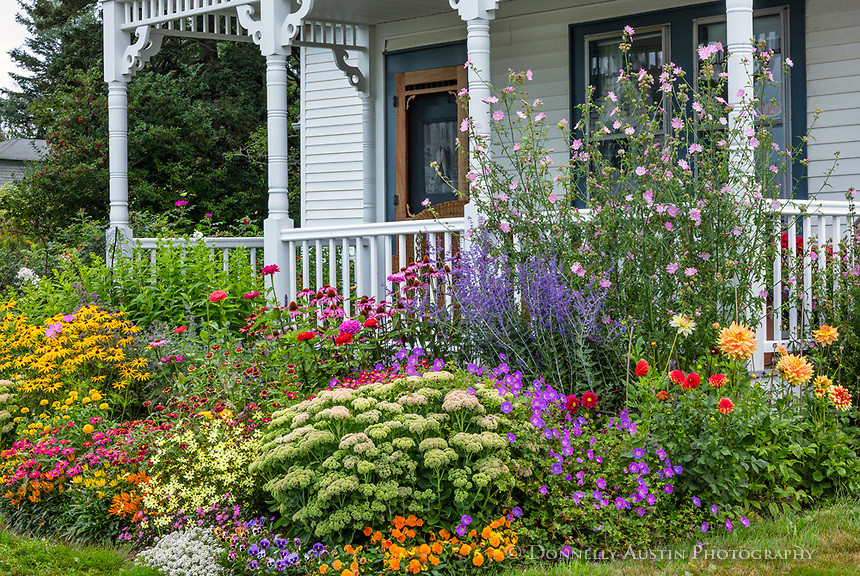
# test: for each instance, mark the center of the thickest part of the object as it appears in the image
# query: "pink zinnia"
(270, 269)
(180, 203)
(250, 295)
(217, 296)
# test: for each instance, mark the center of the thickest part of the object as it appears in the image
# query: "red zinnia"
(305, 336)
(692, 382)
(343, 338)
(726, 406)
(642, 368)
(589, 400)
(180, 329)
(717, 380)
(217, 296)
(677, 377)
(370, 323)
(571, 404)
(270, 269)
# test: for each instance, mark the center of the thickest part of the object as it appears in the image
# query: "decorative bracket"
(357, 78)
(146, 46)
(293, 22)
(474, 9)
(249, 23)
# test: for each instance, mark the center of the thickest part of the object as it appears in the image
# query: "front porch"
(357, 254)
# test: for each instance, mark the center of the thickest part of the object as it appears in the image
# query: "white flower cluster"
(184, 553)
(27, 275)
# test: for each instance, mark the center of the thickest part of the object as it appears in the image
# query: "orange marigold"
(826, 335)
(478, 559)
(794, 369)
(840, 398)
(737, 341)
(414, 566)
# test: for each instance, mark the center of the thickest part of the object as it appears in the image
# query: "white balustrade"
(357, 260)
(254, 246)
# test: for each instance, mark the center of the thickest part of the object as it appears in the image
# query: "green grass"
(25, 556)
(831, 534)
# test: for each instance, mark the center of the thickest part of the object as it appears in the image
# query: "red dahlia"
(571, 404)
(677, 377)
(725, 406)
(589, 400)
(717, 380)
(642, 368)
(691, 382)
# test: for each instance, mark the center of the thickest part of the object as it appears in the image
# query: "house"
(377, 104)
(16, 156)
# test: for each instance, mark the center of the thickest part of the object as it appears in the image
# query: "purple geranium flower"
(507, 407)
(704, 527)
(466, 519)
(638, 453)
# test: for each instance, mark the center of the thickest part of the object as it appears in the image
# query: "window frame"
(682, 25)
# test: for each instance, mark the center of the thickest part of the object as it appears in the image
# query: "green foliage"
(420, 445)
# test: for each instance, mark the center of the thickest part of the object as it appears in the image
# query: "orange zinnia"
(737, 341)
(826, 335)
(840, 398)
(794, 369)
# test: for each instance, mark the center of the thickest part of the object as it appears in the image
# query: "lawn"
(828, 538)
(24, 556)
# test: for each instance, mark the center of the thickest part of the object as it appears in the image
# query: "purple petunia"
(466, 519)
(511, 437)
(696, 501)
(542, 490)
(729, 525)
(713, 508)
(704, 527)
(638, 453)
(668, 489)
(461, 530)
(556, 468)
(507, 407)
(745, 521)
(517, 511)
(640, 511)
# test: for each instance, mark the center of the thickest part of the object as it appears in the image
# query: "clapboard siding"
(331, 143)
(833, 85)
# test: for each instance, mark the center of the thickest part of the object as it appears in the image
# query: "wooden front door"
(429, 163)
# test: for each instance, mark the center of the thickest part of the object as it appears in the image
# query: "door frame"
(407, 85)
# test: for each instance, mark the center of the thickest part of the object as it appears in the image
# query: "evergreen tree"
(194, 111)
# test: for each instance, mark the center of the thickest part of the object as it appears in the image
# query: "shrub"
(422, 445)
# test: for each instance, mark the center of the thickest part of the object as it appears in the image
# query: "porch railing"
(816, 243)
(218, 245)
(358, 259)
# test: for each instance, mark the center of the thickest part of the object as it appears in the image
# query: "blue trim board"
(682, 50)
(423, 58)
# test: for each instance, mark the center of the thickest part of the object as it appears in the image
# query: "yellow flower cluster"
(61, 411)
(196, 467)
(88, 347)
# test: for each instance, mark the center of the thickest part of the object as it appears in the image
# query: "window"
(674, 36)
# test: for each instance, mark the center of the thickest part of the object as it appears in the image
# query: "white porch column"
(117, 74)
(278, 171)
(368, 128)
(119, 229)
(739, 25)
(477, 15)
(739, 38)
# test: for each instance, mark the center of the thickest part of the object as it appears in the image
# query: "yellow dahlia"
(794, 369)
(826, 335)
(840, 398)
(684, 325)
(737, 341)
